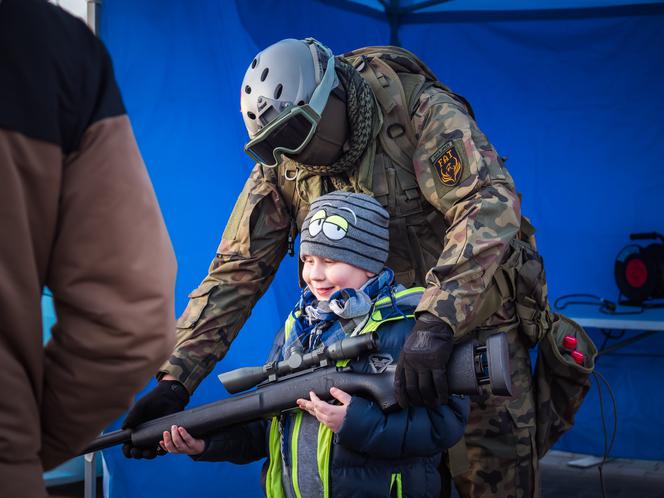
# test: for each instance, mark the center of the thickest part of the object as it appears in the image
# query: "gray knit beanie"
(347, 227)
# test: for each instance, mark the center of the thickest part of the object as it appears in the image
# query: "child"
(350, 448)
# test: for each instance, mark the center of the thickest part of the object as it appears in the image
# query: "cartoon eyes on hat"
(334, 228)
(316, 222)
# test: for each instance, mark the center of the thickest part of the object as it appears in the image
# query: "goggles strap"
(320, 67)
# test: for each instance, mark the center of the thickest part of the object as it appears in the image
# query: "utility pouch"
(531, 296)
(522, 279)
(560, 383)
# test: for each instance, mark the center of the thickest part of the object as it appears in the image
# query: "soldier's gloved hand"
(421, 375)
(169, 396)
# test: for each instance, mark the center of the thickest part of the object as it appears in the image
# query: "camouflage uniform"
(454, 211)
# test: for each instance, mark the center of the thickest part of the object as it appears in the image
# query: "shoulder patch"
(448, 161)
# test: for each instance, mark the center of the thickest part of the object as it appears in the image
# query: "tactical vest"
(397, 79)
(273, 480)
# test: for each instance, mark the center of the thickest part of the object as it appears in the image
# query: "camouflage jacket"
(453, 208)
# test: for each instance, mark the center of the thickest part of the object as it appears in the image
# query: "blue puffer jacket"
(374, 454)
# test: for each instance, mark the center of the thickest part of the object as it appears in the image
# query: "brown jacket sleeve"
(112, 276)
(78, 215)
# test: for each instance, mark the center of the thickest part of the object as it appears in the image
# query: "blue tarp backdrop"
(575, 102)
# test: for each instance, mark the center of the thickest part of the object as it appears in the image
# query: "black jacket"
(371, 447)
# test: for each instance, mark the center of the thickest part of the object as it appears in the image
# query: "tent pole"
(392, 11)
(94, 15)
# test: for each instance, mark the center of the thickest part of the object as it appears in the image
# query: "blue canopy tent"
(571, 93)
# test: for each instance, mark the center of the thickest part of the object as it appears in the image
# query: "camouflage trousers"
(500, 437)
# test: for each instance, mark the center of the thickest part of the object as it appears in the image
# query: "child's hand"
(180, 441)
(326, 413)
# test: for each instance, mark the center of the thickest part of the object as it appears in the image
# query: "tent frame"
(395, 12)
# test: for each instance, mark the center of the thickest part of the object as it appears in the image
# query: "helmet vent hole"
(251, 115)
(277, 91)
(253, 63)
(264, 73)
(247, 89)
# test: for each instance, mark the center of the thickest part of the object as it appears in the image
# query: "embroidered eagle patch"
(448, 164)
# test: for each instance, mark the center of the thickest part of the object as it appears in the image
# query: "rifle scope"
(245, 378)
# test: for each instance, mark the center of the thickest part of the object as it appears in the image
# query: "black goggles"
(289, 133)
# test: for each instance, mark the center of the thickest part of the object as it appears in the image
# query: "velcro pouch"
(560, 383)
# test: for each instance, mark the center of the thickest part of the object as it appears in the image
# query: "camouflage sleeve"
(252, 246)
(461, 174)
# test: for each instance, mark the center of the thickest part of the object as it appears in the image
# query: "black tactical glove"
(421, 375)
(169, 396)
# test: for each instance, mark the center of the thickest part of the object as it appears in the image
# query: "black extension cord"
(608, 446)
(605, 306)
(610, 308)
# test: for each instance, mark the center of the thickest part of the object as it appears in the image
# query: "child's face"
(326, 276)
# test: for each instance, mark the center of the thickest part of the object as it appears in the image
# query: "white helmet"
(284, 74)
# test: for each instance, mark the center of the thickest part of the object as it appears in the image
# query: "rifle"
(280, 384)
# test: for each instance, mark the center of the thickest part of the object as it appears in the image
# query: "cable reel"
(639, 270)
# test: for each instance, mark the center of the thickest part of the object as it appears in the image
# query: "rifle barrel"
(111, 439)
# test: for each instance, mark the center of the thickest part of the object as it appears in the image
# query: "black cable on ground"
(608, 446)
(610, 335)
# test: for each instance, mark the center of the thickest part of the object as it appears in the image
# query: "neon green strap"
(288, 326)
(403, 293)
(325, 435)
(294, 438)
(273, 485)
(396, 482)
(372, 326)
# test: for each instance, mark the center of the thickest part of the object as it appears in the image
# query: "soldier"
(374, 121)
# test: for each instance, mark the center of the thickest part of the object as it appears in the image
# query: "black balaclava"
(328, 141)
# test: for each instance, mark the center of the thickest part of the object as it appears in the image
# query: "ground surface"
(622, 478)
